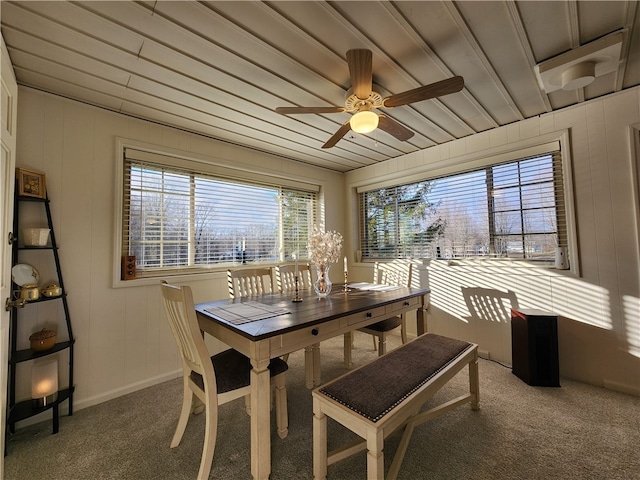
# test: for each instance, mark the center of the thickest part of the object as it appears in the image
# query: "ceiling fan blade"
(444, 87)
(361, 72)
(293, 110)
(342, 131)
(392, 127)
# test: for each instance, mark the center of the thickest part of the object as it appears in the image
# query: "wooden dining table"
(272, 325)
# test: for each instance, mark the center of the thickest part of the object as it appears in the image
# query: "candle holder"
(44, 382)
(297, 298)
(346, 289)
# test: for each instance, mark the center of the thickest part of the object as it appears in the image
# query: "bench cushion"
(378, 387)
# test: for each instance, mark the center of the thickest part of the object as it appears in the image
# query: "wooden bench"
(379, 398)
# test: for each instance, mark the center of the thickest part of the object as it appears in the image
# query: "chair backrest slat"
(248, 282)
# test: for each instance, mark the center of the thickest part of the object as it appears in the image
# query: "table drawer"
(307, 336)
(398, 306)
(366, 316)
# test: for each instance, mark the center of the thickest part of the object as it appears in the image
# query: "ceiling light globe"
(364, 122)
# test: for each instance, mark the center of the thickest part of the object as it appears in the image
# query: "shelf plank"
(26, 408)
(45, 299)
(28, 354)
(23, 198)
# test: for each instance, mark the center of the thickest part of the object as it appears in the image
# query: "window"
(178, 219)
(514, 209)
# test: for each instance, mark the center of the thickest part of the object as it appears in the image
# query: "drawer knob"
(314, 332)
(406, 304)
(369, 315)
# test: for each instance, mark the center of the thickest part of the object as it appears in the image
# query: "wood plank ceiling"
(221, 68)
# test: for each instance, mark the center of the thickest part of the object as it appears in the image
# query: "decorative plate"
(24, 274)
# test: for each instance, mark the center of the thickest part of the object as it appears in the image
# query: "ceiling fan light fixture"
(364, 122)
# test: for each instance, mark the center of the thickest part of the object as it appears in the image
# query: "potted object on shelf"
(35, 237)
(43, 340)
(52, 290)
(29, 292)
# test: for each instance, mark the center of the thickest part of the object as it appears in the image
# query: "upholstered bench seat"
(378, 398)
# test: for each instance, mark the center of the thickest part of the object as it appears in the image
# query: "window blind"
(513, 209)
(177, 219)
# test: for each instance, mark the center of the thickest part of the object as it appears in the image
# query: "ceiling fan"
(362, 99)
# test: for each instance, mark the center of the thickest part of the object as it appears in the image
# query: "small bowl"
(42, 340)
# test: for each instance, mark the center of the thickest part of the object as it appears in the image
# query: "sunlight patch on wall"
(631, 307)
(535, 287)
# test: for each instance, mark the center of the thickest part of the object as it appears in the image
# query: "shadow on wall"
(489, 304)
(490, 320)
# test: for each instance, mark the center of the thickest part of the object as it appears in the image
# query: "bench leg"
(319, 442)
(375, 456)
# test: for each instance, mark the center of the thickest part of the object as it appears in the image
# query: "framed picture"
(30, 183)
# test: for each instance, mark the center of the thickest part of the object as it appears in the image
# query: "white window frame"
(481, 159)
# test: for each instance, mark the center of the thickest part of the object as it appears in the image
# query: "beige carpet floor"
(576, 431)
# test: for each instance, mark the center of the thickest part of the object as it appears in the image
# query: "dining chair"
(246, 282)
(213, 380)
(396, 273)
(286, 277)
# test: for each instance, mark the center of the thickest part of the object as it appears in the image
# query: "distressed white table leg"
(260, 420)
(421, 316)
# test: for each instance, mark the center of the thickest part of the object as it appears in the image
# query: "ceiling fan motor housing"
(355, 104)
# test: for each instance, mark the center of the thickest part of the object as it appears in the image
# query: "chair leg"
(282, 414)
(197, 406)
(348, 342)
(308, 367)
(382, 344)
(403, 330)
(187, 400)
(247, 404)
(210, 434)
